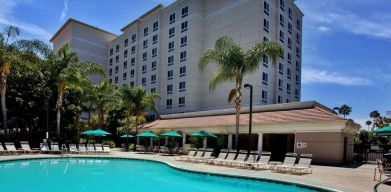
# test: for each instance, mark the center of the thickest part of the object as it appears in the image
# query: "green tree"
(136, 103)
(73, 74)
(368, 123)
(234, 63)
(344, 110)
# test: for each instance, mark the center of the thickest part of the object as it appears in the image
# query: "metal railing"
(380, 183)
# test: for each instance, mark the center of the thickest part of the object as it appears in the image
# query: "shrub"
(109, 143)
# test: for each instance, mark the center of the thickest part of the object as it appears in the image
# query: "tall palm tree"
(107, 97)
(73, 75)
(234, 63)
(344, 110)
(136, 103)
(374, 115)
(368, 123)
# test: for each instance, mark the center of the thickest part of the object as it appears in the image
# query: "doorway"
(278, 145)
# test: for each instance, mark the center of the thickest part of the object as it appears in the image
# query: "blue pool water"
(117, 175)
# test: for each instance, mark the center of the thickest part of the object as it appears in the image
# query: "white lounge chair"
(98, 149)
(90, 148)
(222, 155)
(106, 149)
(82, 148)
(55, 148)
(73, 148)
(304, 165)
(2, 150)
(206, 156)
(289, 162)
(262, 162)
(199, 154)
(227, 161)
(26, 147)
(240, 160)
(44, 147)
(191, 153)
(11, 148)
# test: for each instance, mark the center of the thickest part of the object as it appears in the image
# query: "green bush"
(109, 143)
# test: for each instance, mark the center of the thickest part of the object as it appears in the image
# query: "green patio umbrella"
(202, 134)
(88, 132)
(99, 132)
(383, 130)
(127, 136)
(171, 134)
(147, 134)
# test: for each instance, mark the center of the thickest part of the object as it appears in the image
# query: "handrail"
(380, 183)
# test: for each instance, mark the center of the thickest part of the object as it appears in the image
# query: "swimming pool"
(119, 175)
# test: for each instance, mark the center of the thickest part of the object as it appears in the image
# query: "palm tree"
(11, 32)
(382, 121)
(136, 103)
(234, 63)
(73, 75)
(107, 97)
(344, 110)
(374, 115)
(368, 123)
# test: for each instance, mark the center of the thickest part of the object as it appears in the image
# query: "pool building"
(300, 127)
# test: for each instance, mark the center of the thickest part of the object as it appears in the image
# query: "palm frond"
(208, 56)
(89, 68)
(220, 76)
(34, 46)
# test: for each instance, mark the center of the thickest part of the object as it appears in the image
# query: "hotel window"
(111, 61)
(153, 90)
(169, 89)
(124, 76)
(153, 65)
(298, 38)
(183, 41)
(132, 73)
(182, 86)
(132, 84)
(289, 28)
(298, 24)
(116, 80)
(145, 43)
(125, 53)
(282, 5)
(182, 71)
(145, 56)
(117, 58)
(154, 52)
(181, 101)
(290, 12)
(297, 51)
(289, 73)
(133, 38)
(282, 36)
(266, 25)
(279, 99)
(183, 56)
(289, 58)
(126, 42)
(297, 66)
(125, 64)
(265, 78)
(288, 100)
(169, 103)
(170, 74)
(144, 69)
(171, 46)
(144, 81)
(280, 83)
(117, 48)
(265, 38)
(153, 79)
(282, 20)
(289, 43)
(265, 61)
(297, 79)
(133, 61)
(111, 51)
(171, 32)
(170, 60)
(116, 69)
(288, 88)
(110, 71)
(155, 26)
(264, 96)
(133, 49)
(184, 26)
(145, 31)
(282, 55)
(172, 18)
(266, 7)
(185, 11)
(154, 39)
(296, 93)
(281, 68)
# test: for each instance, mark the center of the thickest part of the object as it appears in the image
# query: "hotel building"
(160, 50)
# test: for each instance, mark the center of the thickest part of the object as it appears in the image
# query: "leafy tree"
(344, 110)
(234, 63)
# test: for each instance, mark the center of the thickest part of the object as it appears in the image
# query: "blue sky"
(346, 46)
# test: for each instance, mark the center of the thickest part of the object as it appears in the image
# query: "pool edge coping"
(278, 181)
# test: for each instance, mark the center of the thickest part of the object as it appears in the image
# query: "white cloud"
(64, 10)
(7, 18)
(312, 75)
(323, 28)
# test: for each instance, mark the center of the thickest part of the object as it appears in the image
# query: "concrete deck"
(358, 179)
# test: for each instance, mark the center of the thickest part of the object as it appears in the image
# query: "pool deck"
(344, 179)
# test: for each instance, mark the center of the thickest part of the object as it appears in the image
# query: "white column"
(138, 140)
(229, 141)
(260, 141)
(151, 142)
(205, 143)
(183, 140)
(165, 141)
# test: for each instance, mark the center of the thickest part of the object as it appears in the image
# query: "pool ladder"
(380, 183)
(64, 150)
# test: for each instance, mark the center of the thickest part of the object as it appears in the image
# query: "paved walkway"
(358, 179)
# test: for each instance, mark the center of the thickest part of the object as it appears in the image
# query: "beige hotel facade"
(160, 51)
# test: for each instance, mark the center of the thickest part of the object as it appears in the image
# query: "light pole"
(248, 86)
